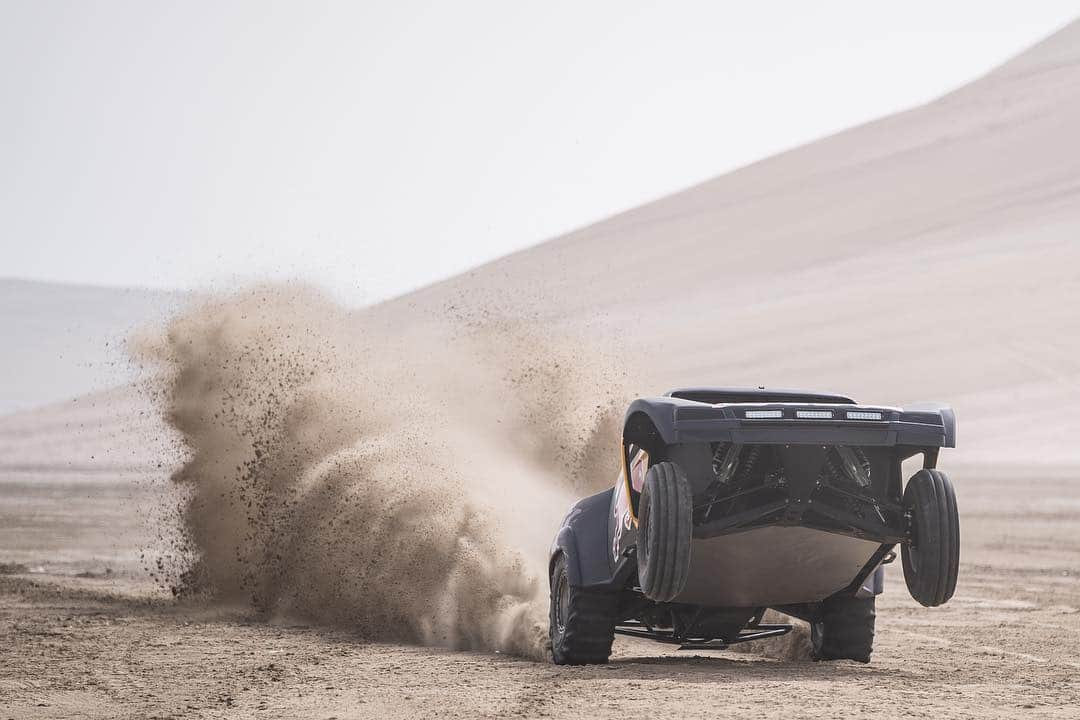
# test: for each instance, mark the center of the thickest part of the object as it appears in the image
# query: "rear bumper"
(729, 423)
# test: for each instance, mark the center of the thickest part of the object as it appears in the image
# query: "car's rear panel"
(779, 523)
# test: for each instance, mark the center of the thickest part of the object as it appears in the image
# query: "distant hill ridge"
(62, 340)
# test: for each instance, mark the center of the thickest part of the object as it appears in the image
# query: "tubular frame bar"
(758, 632)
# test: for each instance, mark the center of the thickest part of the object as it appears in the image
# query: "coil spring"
(718, 458)
(835, 472)
(746, 469)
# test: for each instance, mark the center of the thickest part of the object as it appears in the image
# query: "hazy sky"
(377, 146)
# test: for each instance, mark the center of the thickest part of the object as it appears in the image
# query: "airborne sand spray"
(402, 481)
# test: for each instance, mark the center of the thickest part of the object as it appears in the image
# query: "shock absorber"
(843, 463)
(725, 462)
(746, 469)
(829, 469)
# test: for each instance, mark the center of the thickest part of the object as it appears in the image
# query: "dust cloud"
(402, 479)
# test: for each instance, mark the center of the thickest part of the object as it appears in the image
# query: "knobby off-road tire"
(932, 560)
(582, 621)
(665, 528)
(844, 630)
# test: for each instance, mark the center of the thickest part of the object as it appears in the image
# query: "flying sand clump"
(399, 479)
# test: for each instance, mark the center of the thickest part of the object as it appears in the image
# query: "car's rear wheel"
(665, 528)
(932, 558)
(582, 621)
(844, 629)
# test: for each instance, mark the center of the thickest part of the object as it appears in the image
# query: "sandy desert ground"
(930, 255)
(117, 646)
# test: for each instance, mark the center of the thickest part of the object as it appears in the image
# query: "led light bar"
(764, 414)
(814, 414)
(863, 415)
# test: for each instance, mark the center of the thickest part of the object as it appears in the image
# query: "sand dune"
(933, 254)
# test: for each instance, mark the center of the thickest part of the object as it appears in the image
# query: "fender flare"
(583, 540)
(565, 545)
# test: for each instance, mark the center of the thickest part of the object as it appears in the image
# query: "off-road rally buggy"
(734, 501)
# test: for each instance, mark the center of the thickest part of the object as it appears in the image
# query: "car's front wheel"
(582, 621)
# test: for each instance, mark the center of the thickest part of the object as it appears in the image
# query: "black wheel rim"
(562, 603)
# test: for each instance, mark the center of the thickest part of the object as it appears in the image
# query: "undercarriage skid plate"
(632, 628)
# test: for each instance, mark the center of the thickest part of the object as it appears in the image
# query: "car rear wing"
(809, 423)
